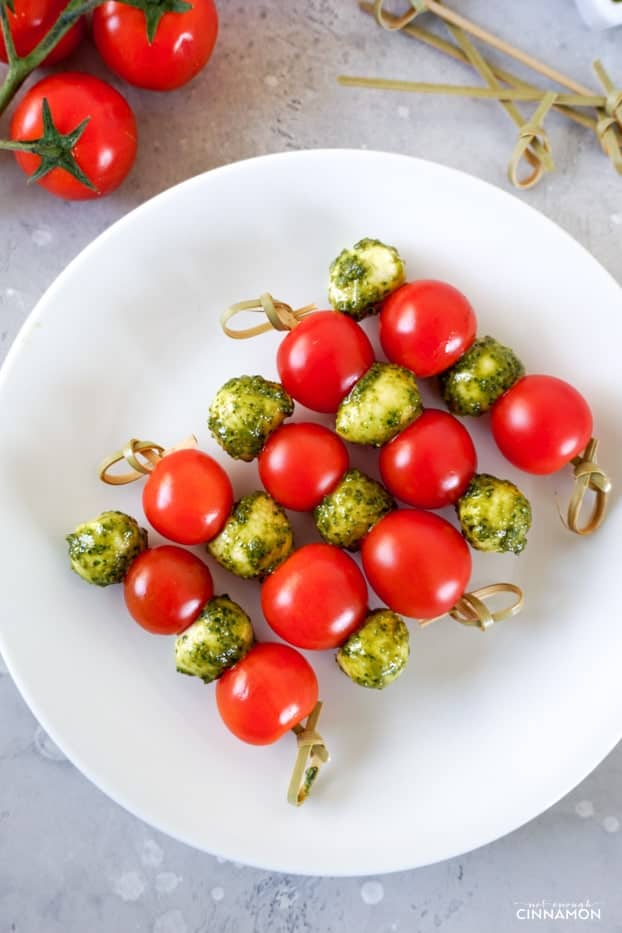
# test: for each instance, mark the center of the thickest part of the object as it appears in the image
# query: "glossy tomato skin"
(316, 598)
(417, 563)
(301, 463)
(181, 47)
(320, 360)
(30, 22)
(431, 463)
(188, 497)
(166, 588)
(426, 326)
(106, 150)
(541, 423)
(266, 693)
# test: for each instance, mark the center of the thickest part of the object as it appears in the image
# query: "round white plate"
(482, 732)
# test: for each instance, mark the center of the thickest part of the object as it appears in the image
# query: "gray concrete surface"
(71, 861)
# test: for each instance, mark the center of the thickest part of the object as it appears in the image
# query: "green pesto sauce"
(220, 637)
(350, 511)
(310, 775)
(245, 411)
(481, 375)
(377, 653)
(361, 277)
(494, 515)
(348, 268)
(383, 402)
(256, 538)
(101, 551)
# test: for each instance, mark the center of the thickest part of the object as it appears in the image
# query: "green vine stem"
(20, 67)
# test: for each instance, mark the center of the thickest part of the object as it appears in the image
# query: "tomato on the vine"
(98, 161)
(541, 423)
(431, 463)
(426, 326)
(31, 20)
(158, 46)
(316, 598)
(188, 497)
(166, 588)
(321, 358)
(301, 463)
(266, 693)
(417, 563)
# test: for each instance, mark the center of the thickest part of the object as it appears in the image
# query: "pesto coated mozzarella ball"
(101, 551)
(245, 411)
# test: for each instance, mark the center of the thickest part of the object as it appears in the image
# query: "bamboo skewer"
(460, 90)
(533, 143)
(442, 45)
(456, 19)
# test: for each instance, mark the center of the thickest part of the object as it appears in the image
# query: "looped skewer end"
(471, 608)
(280, 316)
(312, 754)
(142, 456)
(609, 138)
(531, 132)
(613, 101)
(613, 104)
(611, 119)
(392, 23)
(588, 475)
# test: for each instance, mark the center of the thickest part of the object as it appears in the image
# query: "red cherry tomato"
(316, 598)
(426, 326)
(166, 588)
(29, 23)
(541, 423)
(188, 497)
(106, 150)
(179, 49)
(301, 463)
(266, 693)
(417, 563)
(320, 360)
(431, 463)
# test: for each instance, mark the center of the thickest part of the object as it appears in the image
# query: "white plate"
(482, 732)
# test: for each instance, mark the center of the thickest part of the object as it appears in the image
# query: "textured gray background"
(71, 861)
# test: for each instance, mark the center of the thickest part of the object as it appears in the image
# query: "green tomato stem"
(55, 150)
(21, 67)
(17, 145)
(13, 80)
(7, 35)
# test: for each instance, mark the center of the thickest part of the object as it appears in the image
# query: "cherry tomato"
(541, 423)
(417, 563)
(29, 23)
(301, 463)
(320, 360)
(188, 497)
(172, 56)
(431, 463)
(266, 693)
(106, 150)
(316, 598)
(166, 588)
(426, 326)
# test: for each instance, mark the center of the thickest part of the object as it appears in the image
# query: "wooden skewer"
(537, 153)
(460, 90)
(450, 16)
(608, 109)
(442, 45)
